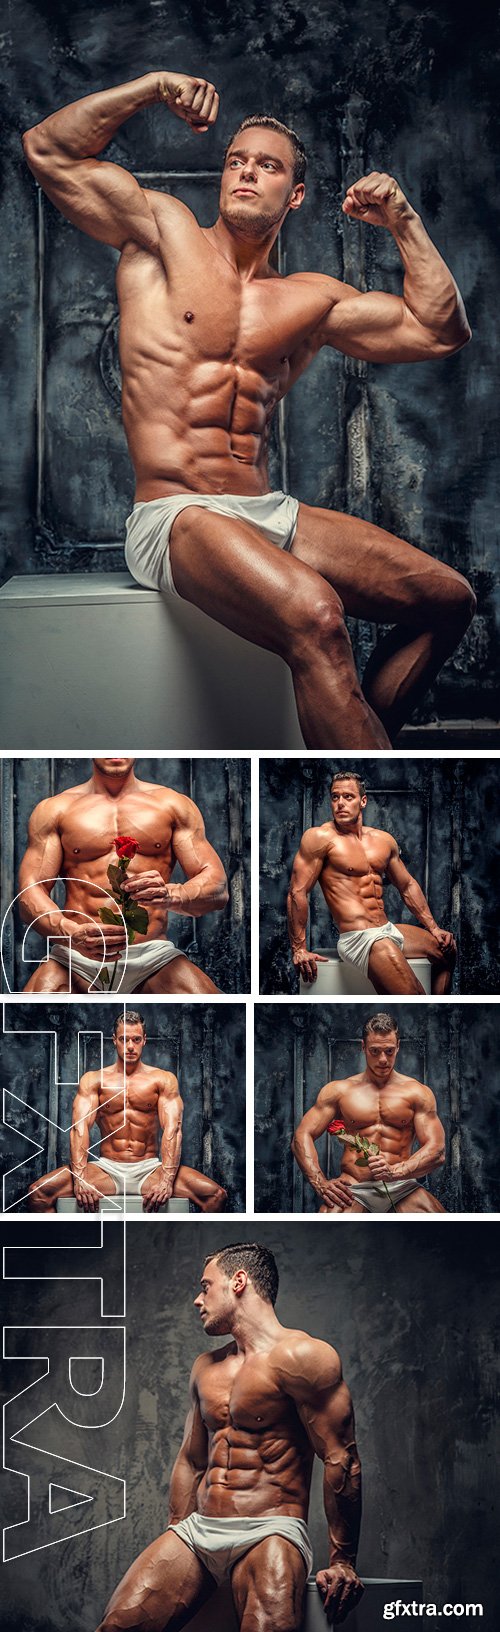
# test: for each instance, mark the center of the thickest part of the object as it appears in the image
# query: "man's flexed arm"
(85, 1106)
(428, 319)
(170, 1112)
(102, 198)
(313, 1378)
(206, 889)
(306, 870)
(412, 895)
(191, 1463)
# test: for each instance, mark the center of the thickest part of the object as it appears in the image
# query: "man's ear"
(297, 196)
(240, 1281)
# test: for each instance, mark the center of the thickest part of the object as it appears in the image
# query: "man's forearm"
(305, 1153)
(37, 904)
(84, 128)
(198, 895)
(297, 907)
(342, 1502)
(426, 1160)
(414, 898)
(430, 291)
(79, 1149)
(184, 1486)
(170, 1153)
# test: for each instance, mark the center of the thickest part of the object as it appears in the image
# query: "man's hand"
(156, 1191)
(337, 1192)
(148, 889)
(194, 100)
(340, 1588)
(445, 940)
(307, 963)
(379, 1168)
(93, 940)
(86, 1195)
(377, 198)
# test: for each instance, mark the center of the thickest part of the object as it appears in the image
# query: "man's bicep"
(376, 327)
(190, 845)
(100, 198)
(44, 852)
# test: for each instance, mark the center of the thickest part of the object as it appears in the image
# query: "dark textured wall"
(219, 943)
(203, 1044)
(445, 818)
(414, 1327)
(453, 1048)
(404, 88)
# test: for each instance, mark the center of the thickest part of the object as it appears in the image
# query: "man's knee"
(219, 1198)
(318, 621)
(451, 596)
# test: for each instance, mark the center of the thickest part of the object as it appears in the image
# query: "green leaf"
(136, 918)
(361, 1161)
(109, 917)
(104, 977)
(130, 936)
(114, 876)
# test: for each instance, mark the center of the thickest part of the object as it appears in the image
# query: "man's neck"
(257, 1330)
(351, 830)
(112, 785)
(374, 1082)
(248, 256)
(129, 1065)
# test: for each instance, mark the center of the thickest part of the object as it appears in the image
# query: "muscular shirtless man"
(211, 338)
(389, 1109)
(130, 1102)
(74, 834)
(350, 862)
(261, 1407)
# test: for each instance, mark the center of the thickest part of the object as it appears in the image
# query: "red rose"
(336, 1127)
(125, 847)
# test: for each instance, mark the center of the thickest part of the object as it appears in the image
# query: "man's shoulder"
(317, 840)
(55, 805)
(420, 1096)
(169, 211)
(304, 1362)
(209, 1358)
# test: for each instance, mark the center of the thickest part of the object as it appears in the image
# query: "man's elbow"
(37, 151)
(440, 1157)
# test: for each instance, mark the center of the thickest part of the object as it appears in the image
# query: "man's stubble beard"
(249, 225)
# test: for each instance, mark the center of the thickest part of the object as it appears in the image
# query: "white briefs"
(372, 1193)
(355, 945)
(144, 958)
(219, 1543)
(128, 1176)
(148, 528)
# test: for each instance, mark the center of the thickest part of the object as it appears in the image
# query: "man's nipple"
(188, 317)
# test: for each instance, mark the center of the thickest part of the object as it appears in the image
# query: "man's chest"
(351, 857)
(365, 1107)
(138, 1095)
(244, 1396)
(91, 827)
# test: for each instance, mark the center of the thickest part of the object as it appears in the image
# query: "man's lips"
(248, 192)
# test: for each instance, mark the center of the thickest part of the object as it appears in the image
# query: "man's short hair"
(130, 1018)
(269, 123)
(258, 1262)
(349, 776)
(383, 1023)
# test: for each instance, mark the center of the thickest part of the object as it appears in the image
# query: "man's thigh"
(419, 943)
(420, 1201)
(268, 1586)
(389, 970)
(161, 1586)
(180, 975)
(49, 977)
(376, 574)
(235, 574)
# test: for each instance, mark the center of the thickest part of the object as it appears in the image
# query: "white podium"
(116, 1205)
(337, 979)
(92, 660)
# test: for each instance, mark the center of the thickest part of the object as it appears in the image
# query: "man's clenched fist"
(376, 198)
(194, 100)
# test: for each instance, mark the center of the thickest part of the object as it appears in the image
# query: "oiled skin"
(352, 875)
(259, 1456)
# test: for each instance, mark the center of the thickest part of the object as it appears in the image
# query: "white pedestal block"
(93, 661)
(218, 1615)
(337, 979)
(116, 1204)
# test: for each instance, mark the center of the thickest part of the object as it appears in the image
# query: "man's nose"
(249, 170)
(197, 1300)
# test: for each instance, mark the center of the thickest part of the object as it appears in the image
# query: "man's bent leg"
(419, 943)
(383, 579)
(237, 576)
(205, 1193)
(44, 1193)
(180, 975)
(389, 970)
(268, 1587)
(49, 977)
(164, 1583)
(420, 1201)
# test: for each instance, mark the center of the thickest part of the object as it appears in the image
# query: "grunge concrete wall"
(412, 1312)
(404, 88)
(454, 1048)
(203, 1044)
(219, 943)
(444, 815)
